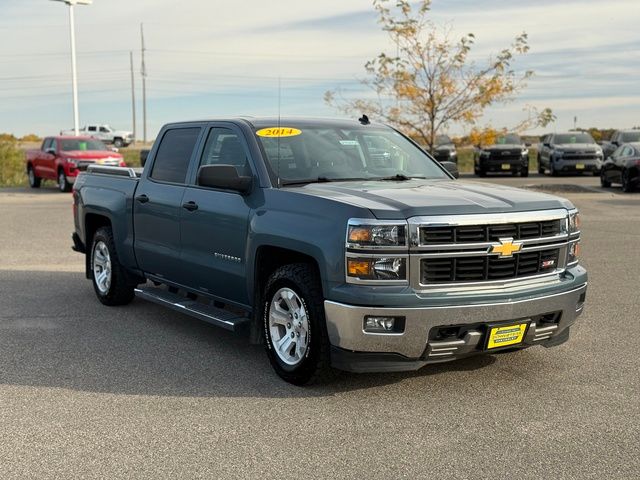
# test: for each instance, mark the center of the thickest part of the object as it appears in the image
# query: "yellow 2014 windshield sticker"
(275, 132)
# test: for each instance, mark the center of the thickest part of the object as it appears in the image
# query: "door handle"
(191, 206)
(142, 198)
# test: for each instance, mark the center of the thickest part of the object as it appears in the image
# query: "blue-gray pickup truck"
(338, 244)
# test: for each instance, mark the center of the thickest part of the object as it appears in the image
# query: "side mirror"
(548, 145)
(143, 157)
(452, 168)
(223, 176)
(616, 143)
(527, 144)
(50, 151)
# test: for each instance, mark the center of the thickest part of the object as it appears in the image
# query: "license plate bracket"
(503, 335)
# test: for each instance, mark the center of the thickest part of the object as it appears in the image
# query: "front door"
(214, 223)
(157, 204)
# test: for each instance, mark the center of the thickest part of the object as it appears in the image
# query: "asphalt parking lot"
(88, 391)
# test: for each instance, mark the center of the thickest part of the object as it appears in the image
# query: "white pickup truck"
(119, 138)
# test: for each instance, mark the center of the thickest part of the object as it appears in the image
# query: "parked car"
(509, 154)
(62, 158)
(445, 150)
(571, 152)
(119, 138)
(622, 167)
(330, 255)
(618, 138)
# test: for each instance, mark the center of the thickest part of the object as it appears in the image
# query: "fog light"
(375, 324)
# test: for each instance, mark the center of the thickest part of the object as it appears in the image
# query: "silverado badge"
(507, 247)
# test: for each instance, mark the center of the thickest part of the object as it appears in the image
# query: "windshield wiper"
(398, 177)
(309, 180)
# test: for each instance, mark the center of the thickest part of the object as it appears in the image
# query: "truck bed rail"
(119, 171)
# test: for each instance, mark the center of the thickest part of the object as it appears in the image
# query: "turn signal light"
(358, 267)
(359, 234)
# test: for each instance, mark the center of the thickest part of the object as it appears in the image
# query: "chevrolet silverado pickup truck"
(62, 158)
(119, 138)
(337, 244)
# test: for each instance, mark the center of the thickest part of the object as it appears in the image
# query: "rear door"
(214, 228)
(158, 200)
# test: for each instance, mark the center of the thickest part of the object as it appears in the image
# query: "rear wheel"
(108, 276)
(626, 182)
(294, 326)
(63, 183)
(118, 143)
(34, 182)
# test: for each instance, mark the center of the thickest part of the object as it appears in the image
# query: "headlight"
(484, 153)
(452, 153)
(72, 161)
(378, 268)
(376, 235)
(574, 222)
(558, 154)
(525, 151)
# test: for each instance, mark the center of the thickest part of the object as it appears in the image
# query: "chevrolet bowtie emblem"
(507, 247)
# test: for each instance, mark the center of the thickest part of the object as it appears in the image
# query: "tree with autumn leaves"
(432, 82)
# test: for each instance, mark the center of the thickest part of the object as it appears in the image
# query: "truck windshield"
(302, 154)
(510, 139)
(631, 136)
(71, 144)
(573, 138)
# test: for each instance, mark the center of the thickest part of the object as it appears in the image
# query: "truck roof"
(263, 122)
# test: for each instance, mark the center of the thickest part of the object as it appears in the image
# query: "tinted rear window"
(175, 150)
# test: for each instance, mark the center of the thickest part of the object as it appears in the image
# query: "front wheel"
(108, 276)
(604, 183)
(63, 183)
(524, 172)
(294, 326)
(118, 143)
(627, 186)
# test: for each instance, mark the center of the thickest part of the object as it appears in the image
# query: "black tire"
(627, 186)
(482, 172)
(315, 365)
(604, 183)
(552, 171)
(118, 292)
(34, 182)
(524, 171)
(118, 142)
(63, 183)
(540, 167)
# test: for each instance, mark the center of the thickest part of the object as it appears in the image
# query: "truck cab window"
(91, 129)
(224, 147)
(175, 150)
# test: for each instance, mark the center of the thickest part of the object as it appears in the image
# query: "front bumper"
(497, 166)
(549, 317)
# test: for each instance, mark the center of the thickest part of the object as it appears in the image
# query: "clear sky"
(209, 58)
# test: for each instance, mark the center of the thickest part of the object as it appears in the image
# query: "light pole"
(74, 74)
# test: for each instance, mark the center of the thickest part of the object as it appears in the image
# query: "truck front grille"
(488, 233)
(483, 267)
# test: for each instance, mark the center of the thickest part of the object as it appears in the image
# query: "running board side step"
(208, 313)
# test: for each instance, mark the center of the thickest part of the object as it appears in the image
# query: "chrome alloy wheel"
(289, 326)
(102, 267)
(62, 180)
(32, 177)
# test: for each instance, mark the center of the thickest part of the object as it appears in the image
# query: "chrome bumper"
(345, 325)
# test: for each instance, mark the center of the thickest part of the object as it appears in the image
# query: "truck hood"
(90, 154)
(577, 146)
(405, 199)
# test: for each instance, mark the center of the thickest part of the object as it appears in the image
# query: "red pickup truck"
(62, 158)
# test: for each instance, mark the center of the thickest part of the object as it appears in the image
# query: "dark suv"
(571, 152)
(508, 154)
(445, 150)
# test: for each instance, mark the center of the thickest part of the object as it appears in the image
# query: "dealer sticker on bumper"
(506, 335)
